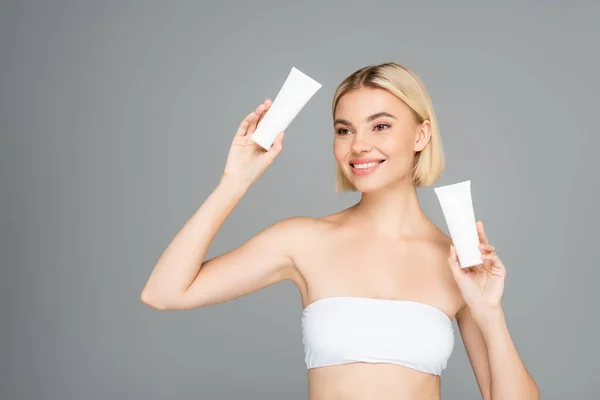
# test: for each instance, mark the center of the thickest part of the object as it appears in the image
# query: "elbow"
(535, 395)
(153, 301)
(532, 389)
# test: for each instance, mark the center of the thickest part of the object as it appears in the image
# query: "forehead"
(368, 101)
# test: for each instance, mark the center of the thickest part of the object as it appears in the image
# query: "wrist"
(486, 311)
(489, 319)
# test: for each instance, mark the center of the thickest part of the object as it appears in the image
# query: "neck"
(392, 211)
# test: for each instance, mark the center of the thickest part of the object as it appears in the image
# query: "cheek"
(400, 150)
(340, 150)
(397, 145)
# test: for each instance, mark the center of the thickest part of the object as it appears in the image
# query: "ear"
(423, 135)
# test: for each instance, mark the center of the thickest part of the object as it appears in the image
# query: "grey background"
(116, 118)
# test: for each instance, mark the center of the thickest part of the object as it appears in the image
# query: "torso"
(375, 267)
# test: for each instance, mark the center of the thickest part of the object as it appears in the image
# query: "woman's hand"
(247, 160)
(482, 285)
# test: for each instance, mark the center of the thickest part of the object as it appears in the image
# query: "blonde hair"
(398, 80)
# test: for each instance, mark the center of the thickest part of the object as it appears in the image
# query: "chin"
(368, 185)
(374, 184)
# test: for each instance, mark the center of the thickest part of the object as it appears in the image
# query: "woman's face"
(376, 137)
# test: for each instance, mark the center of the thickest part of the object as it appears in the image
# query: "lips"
(365, 166)
(359, 161)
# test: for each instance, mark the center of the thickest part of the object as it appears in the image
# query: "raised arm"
(182, 279)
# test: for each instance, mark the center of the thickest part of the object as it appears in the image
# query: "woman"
(380, 283)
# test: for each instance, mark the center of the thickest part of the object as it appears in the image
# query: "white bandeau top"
(342, 330)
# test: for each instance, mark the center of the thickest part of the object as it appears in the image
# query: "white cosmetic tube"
(292, 97)
(457, 206)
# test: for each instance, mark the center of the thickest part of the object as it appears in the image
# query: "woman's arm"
(509, 377)
(500, 372)
(182, 279)
(476, 350)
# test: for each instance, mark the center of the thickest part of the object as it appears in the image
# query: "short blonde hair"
(398, 80)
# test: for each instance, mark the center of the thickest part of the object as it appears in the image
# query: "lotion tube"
(457, 206)
(296, 91)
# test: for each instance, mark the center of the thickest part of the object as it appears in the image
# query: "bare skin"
(409, 267)
(382, 247)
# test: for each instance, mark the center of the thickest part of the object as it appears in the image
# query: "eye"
(381, 125)
(342, 131)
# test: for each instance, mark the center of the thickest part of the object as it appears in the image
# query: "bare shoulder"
(299, 225)
(439, 242)
(304, 224)
(299, 233)
(434, 250)
(299, 236)
(438, 245)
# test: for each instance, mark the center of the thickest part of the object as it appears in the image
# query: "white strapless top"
(342, 330)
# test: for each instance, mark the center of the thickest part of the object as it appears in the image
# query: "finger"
(481, 233)
(493, 259)
(475, 269)
(275, 149)
(258, 113)
(495, 266)
(487, 248)
(243, 127)
(267, 104)
(453, 260)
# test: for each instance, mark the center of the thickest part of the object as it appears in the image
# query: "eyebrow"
(368, 119)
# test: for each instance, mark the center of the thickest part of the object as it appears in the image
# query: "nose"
(360, 144)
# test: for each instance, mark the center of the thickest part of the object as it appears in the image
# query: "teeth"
(363, 166)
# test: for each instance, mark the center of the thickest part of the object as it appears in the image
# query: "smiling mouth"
(366, 165)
